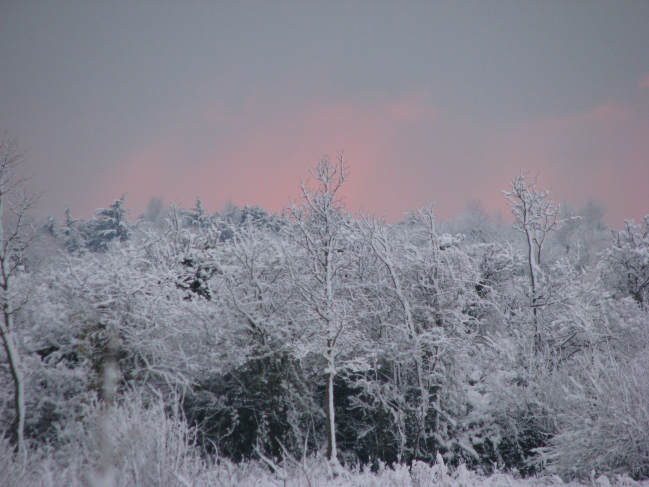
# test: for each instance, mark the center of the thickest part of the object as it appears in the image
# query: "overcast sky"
(430, 101)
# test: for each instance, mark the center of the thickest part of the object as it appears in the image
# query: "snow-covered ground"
(313, 472)
(417, 475)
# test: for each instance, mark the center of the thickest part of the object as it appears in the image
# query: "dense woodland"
(141, 351)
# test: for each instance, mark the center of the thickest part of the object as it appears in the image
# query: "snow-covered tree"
(535, 216)
(625, 264)
(265, 400)
(580, 239)
(124, 307)
(107, 225)
(325, 300)
(16, 235)
(425, 298)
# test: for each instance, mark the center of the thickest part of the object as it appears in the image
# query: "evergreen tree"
(107, 225)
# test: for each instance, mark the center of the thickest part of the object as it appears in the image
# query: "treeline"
(517, 346)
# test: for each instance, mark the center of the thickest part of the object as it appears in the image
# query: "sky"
(429, 101)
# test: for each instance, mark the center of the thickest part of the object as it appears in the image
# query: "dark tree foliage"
(265, 404)
(363, 433)
(107, 225)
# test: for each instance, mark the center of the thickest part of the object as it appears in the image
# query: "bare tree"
(16, 235)
(535, 217)
(321, 230)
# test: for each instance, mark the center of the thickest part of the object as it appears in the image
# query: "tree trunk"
(12, 244)
(15, 367)
(332, 454)
(533, 281)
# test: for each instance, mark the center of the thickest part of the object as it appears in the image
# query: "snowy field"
(311, 473)
(131, 446)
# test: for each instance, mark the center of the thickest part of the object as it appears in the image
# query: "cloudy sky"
(235, 101)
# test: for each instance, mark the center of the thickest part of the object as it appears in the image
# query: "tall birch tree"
(324, 294)
(16, 235)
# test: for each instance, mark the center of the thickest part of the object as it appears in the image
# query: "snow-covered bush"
(136, 442)
(605, 426)
(625, 265)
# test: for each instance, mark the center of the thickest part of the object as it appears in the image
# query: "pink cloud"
(402, 153)
(602, 154)
(271, 149)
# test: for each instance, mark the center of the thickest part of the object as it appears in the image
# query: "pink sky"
(401, 153)
(439, 102)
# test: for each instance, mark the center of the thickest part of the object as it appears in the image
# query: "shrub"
(606, 426)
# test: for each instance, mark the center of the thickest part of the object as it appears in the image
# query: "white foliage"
(606, 424)
(625, 265)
